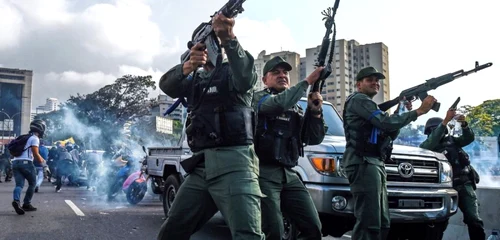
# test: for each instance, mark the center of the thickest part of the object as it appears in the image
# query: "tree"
(99, 117)
(483, 119)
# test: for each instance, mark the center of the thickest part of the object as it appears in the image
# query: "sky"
(79, 46)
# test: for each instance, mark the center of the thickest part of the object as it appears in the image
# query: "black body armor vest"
(214, 119)
(278, 138)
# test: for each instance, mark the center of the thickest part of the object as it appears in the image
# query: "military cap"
(369, 71)
(275, 62)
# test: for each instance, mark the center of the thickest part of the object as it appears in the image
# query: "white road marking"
(74, 208)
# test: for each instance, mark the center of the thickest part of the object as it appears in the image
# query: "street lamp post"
(11, 120)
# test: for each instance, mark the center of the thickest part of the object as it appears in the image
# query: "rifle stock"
(420, 91)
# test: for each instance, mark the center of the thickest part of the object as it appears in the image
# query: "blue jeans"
(24, 169)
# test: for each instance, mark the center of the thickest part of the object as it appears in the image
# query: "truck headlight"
(446, 172)
(328, 165)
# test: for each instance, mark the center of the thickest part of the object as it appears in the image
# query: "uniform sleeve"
(433, 140)
(315, 130)
(466, 138)
(174, 83)
(241, 62)
(368, 109)
(276, 104)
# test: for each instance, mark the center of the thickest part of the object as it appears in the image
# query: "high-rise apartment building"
(350, 57)
(292, 58)
(51, 104)
(15, 101)
(165, 102)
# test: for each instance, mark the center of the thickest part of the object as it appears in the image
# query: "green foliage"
(103, 112)
(484, 119)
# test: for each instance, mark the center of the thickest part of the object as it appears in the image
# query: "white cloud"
(123, 30)
(72, 77)
(45, 12)
(272, 36)
(11, 22)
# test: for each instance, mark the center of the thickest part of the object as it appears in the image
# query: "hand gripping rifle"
(420, 91)
(204, 33)
(329, 15)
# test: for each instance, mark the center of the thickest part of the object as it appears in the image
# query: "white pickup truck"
(421, 197)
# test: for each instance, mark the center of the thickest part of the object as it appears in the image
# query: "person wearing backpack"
(24, 149)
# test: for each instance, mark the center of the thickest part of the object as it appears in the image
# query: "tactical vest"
(278, 138)
(217, 121)
(367, 140)
(456, 156)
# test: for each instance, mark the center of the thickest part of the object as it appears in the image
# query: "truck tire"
(290, 229)
(155, 185)
(170, 190)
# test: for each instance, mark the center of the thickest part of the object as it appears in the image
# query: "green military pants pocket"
(238, 196)
(468, 204)
(371, 207)
(193, 206)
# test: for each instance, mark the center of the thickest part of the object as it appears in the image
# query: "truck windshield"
(332, 119)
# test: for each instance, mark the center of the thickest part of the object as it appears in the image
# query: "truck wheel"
(170, 190)
(290, 229)
(155, 185)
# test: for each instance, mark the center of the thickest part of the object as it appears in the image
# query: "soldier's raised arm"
(240, 61)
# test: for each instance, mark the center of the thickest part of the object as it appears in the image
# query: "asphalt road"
(92, 217)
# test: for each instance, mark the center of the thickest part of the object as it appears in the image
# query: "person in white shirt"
(24, 169)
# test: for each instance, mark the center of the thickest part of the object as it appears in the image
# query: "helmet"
(431, 124)
(38, 126)
(69, 146)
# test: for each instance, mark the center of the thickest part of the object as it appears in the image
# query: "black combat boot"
(28, 207)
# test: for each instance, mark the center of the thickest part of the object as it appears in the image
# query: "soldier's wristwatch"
(232, 44)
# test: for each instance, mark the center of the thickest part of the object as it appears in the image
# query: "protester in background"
(44, 152)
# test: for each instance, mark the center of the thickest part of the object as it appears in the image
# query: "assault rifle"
(329, 16)
(204, 33)
(420, 91)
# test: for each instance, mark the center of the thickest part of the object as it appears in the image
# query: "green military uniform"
(284, 191)
(462, 177)
(363, 163)
(228, 178)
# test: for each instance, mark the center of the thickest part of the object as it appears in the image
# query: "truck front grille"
(412, 169)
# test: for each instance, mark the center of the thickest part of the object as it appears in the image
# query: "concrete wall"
(489, 211)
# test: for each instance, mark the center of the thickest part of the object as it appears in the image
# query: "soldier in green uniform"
(369, 134)
(219, 131)
(464, 176)
(278, 143)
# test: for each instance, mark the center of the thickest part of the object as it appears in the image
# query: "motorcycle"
(136, 185)
(119, 180)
